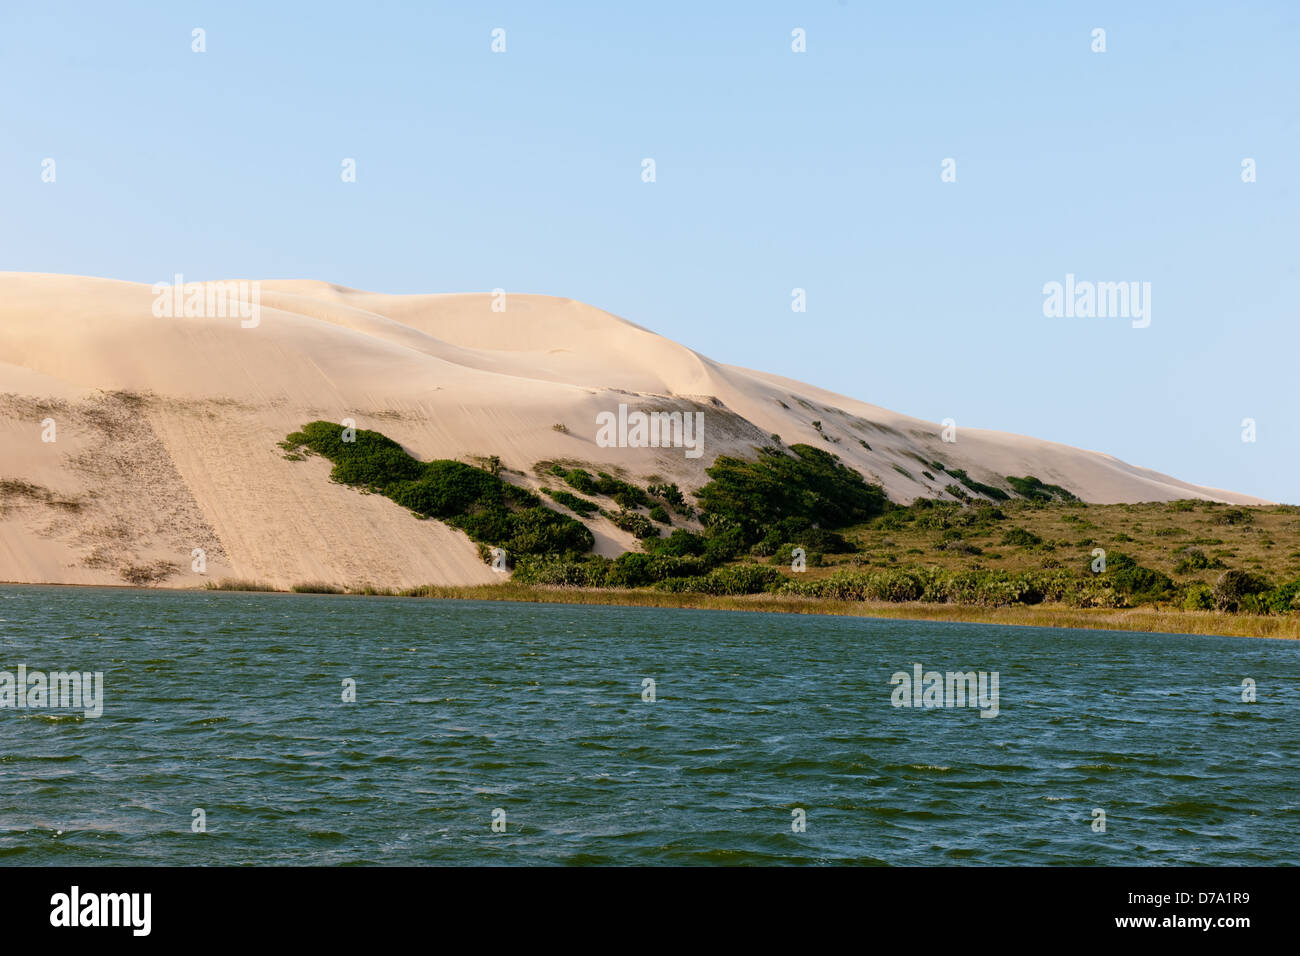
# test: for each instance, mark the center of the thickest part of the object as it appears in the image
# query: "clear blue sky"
(775, 170)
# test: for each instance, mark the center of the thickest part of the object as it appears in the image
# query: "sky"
(775, 170)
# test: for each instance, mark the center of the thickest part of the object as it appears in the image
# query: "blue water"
(232, 703)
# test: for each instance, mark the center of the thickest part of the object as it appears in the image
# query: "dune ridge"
(166, 429)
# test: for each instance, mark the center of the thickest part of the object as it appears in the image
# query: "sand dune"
(165, 429)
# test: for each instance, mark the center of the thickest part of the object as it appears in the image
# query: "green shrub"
(580, 480)
(315, 587)
(733, 579)
(590, 572)
(1234, 586)
(808, 483)
(633, 569)
(1198, 597)
(626, 495)
(803, 533)
(1021, 537)
(1233, 516)
(1194, 559)
(1139, 584)
(491, 511)
(1035, 490)
(575, 504)
(679, 543)
(1280, 600)
(633, 522)
(669, 493)
(977, 486)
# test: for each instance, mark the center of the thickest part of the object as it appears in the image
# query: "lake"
(501, 733)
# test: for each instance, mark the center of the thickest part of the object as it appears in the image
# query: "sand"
(165, 469)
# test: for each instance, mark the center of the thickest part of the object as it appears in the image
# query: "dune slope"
(140, 448)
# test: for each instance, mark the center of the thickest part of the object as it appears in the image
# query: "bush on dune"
(809, 484)
(491, 511)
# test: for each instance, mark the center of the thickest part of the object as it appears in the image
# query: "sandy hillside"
(164, 429)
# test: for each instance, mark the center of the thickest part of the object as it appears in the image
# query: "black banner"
(945, 906)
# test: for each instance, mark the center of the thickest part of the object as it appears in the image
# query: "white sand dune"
(166, 428)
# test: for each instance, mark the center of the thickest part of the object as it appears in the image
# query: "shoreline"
(1150, 620)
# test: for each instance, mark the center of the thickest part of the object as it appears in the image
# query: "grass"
(1141, 619)
(238, 584)
(316, 587)
(1156, 535)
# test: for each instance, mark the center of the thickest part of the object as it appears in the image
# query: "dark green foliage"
(977, 486)
(809, 483)
(1021, 538)
(372, 461)
(669, 493)
(723, 540)
(1198, 598)
(1034, 489)
(800, 532)
(589, 572)
(929, 514)
(1140, 584)
(1235, 588)
(1279, 600)
(624, 494)
(975, 587)
(1194, 559)
(489, 510)
(657, 513)
(580, 480)
(543, 531)
(678, 544)
(575, 504)
(1233, 516)
(634, 569)
(448, 488)
(634, 522)
(733, 579)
